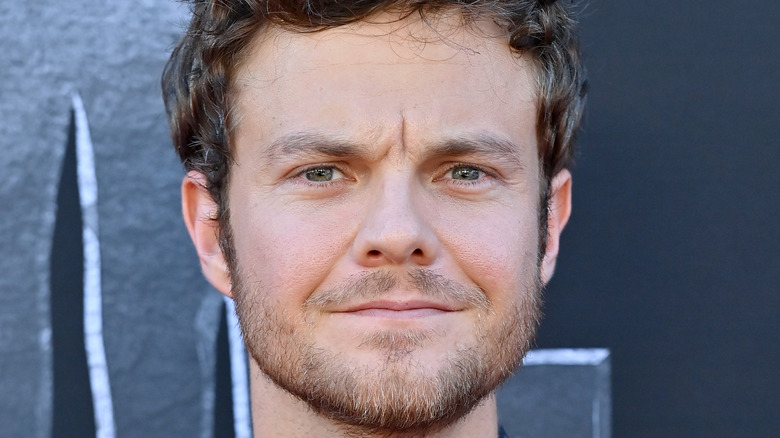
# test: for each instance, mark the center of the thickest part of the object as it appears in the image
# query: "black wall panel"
(672, 258)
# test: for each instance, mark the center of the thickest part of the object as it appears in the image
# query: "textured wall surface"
(111, 53)
(558, 393)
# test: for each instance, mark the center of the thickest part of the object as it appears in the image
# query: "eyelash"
(450, 167)
(299, 177)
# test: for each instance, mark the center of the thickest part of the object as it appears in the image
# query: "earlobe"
(199, 211)
(560, 210)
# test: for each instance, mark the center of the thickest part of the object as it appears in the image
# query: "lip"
(400, 306)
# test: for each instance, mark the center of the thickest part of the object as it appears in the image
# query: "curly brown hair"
(196, 81)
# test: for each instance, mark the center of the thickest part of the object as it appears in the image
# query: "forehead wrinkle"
(402, 133)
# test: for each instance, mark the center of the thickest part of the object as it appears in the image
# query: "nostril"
(374, 253)
(418, 252)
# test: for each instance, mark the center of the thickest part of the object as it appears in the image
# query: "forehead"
(376, 78)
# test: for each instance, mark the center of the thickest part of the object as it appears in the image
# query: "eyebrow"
(305, 145)
(482, 144)
(313, 145)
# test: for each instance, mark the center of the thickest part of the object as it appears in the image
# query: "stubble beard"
(398, 394)
(393, 397)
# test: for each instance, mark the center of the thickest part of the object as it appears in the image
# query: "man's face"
(384, 203)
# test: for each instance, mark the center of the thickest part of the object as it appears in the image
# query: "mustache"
(369, 285)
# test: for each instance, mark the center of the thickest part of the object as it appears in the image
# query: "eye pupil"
(319, 174)
(465, 173)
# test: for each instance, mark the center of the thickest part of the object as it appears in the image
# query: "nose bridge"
(395, 228)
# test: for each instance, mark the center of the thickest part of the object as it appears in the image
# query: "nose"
(395, 228)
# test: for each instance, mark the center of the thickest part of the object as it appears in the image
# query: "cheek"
(289, 250)
(496, 251)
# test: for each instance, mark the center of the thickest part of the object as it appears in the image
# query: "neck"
(277, 413)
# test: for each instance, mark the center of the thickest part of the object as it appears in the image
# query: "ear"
(199, 211)
(560, 210)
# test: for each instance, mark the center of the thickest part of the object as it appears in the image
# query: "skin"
(384, 147)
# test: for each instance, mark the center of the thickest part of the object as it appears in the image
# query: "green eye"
(320, 174)
(464, 173)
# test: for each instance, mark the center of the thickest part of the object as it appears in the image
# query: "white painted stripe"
(566, 356)
(242, 417)
(93, 311)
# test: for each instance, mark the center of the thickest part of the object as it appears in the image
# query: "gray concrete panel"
(112, 54)
(34, 115)
(558, 393)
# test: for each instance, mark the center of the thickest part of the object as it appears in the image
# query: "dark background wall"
(672, 257)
